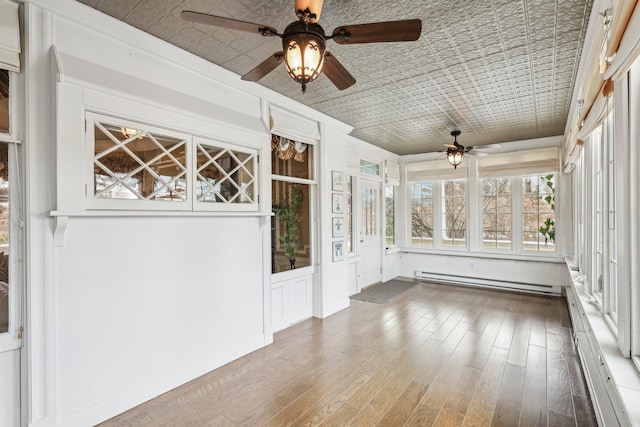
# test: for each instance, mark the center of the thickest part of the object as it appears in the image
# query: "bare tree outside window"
(538, 212)
(389, 198)
(496, 213)
(454, 213)
(422, 213)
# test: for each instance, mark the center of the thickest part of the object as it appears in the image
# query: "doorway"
(370, 233)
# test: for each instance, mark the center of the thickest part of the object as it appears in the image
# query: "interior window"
(138, 164)
(291, 168)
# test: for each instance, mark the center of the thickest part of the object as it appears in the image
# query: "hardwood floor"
(439, 355)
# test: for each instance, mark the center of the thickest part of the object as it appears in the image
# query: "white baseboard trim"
(489, 283)
(129, 399)
(330, 310)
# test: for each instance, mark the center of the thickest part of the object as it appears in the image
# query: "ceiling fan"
(303, 42)
(455, 152)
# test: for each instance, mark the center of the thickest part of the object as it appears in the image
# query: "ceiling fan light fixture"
(455, 152)
(454, 157)
(304, 47)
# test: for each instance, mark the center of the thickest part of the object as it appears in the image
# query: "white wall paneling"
(291, 301)
(533, 276)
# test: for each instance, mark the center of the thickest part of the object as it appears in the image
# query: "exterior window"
(599, 218)
(496, 213)
(369, 168)
(349, 209)
(4, 237)
(390, 203)
(4, 102)
(454, 213)
(422, 214)
(612, 300)
(291, 190)
(538, 213)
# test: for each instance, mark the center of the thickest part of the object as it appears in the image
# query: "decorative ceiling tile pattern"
(498, 70)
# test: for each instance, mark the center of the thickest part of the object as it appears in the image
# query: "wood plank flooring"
(439, 355)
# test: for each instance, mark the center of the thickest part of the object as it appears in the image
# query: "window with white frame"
(136, 166)
(597, 143)
(390, 203)
(350, 212)
(538, 212)
(496, 213)
(611, 299)
(516, 203)
(454, 213)
(292, 182)
(422, 213)
(369, 168)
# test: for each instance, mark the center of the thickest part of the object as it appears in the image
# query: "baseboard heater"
(489, 283)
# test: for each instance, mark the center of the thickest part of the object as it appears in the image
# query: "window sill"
(388, 250)
(132, 213)
(62, 217)
(620, 371)
(493, 255)
(291, 274)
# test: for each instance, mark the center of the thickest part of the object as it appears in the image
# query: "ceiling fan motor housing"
(304, 47)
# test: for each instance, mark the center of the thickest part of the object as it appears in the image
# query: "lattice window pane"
(225, 175)
(138, 165)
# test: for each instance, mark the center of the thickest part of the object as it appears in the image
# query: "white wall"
(144, 304)
(123, 307)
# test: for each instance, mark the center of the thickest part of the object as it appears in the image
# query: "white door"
(370, 236)
(10, 331)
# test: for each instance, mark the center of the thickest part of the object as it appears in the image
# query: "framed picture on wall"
(338, 227)
(336, 181)
(337, 203)
(338, 251)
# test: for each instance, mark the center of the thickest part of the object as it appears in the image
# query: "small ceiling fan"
(303, 42)
(455, 152)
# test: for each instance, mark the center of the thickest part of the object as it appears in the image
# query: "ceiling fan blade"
(267, 66)
(314, 6)
(390, 31)
(335, 72)
(487, 146)
(231, 24)
(476, 154)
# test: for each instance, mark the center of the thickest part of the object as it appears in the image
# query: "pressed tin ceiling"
(498, 70)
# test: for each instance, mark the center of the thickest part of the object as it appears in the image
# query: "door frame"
(375, 181)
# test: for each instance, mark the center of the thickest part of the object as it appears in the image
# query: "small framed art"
(337, 203)
(338, 251)
(337, 229)
(336, 181)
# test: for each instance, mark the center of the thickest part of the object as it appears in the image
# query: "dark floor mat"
(384, 292)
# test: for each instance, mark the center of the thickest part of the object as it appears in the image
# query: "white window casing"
(9, 36)
(435, 170)
(293, 126)
(519, 163)
(391, 173)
